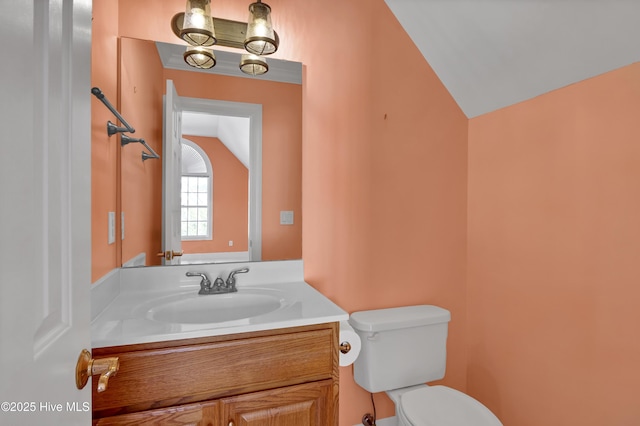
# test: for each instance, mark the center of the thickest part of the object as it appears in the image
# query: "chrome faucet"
(231, 281)
(205, 284)
(219, 286)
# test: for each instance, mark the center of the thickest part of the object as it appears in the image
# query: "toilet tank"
(401, 347)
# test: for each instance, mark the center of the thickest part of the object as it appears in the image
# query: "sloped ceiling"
(233, 132)
(491, 54)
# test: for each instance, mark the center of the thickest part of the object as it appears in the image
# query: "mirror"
(145, 66)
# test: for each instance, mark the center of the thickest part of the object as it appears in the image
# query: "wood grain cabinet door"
(300, 405)
(200, 414)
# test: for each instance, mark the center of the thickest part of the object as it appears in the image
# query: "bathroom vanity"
(278, 368)
(289, 375)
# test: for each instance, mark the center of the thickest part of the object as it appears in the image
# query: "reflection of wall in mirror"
(104, 176)
(230, 200)
(281, 148)
(141, 91)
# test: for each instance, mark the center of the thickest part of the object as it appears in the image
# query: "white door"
(171, 176)
(45, 210)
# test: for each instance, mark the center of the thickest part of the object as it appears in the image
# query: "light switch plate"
(286, 217)
(112, 227)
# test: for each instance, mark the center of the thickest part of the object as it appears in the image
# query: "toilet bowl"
(439, 406)
(404, 348)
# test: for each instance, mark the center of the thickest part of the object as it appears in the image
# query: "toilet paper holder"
(349, 344)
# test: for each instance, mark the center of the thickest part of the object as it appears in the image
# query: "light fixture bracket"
(228, 33)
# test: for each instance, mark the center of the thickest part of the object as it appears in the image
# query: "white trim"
(227, 63)
(138, 260)
(199, 258)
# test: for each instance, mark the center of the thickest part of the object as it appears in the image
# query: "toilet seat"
(443, 406)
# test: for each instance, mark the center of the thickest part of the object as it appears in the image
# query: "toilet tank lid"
(402, 317)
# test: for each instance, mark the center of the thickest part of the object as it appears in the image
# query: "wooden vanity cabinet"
(285, 377)
(301, 405)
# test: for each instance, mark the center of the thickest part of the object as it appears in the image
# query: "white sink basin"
(214, 308)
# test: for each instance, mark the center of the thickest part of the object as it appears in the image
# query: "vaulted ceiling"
(232, 131)
(494, 53)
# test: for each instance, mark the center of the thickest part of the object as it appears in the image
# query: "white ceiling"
(233, 132)
(494, 53)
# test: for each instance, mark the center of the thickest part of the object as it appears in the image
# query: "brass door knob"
(231, 423)
(170, 254)
(87, 367)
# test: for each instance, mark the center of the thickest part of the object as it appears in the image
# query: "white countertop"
(126, 320)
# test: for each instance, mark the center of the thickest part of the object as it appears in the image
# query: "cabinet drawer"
(156, 378)
(201, 413)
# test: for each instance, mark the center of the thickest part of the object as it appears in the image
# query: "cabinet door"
(302, 405)
(200, 414)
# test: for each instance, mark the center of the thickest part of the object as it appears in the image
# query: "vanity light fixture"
(260, 38)
(200, 57)
(253, 64)
(196, 27)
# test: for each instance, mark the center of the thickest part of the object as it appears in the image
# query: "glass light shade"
(260, 38)
(253, 64)
(197, 26)
(200, 57)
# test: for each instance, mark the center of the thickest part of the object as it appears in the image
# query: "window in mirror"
(196, 183)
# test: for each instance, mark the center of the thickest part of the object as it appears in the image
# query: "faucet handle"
(205, 284)
(231, 281)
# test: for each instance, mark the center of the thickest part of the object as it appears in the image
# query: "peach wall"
(230, 200)
(384, 167)
(553, 245)
(384, 164)
(141, 91)
(104, 150)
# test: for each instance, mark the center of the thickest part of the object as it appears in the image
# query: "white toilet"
(403, 348)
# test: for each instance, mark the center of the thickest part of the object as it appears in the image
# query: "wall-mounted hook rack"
(112, 128)
(125, 140)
